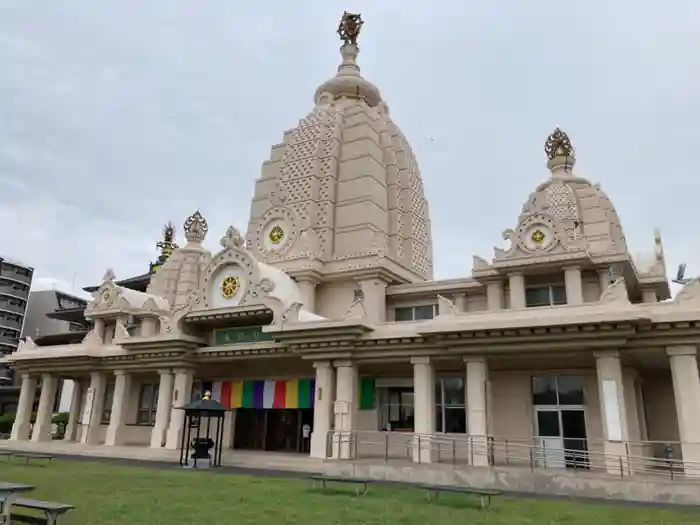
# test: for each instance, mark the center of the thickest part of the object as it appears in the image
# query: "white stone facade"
(336, 272)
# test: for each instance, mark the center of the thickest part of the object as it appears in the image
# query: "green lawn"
(107, 494)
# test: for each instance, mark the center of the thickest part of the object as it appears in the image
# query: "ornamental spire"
(196, 228)
(166, 247)
(350, 27)
(560, 153)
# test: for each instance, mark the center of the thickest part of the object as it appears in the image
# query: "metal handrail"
(491, 451)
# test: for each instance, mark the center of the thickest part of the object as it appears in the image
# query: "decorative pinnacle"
(349, 27)
(167, 245)
(196, 228)
(558, 145)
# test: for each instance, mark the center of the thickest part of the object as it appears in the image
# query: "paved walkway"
(240, 459)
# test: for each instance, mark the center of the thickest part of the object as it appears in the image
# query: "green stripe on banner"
(304, 393)
(247, 398)
(367, 392)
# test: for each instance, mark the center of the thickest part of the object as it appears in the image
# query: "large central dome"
(343, 192)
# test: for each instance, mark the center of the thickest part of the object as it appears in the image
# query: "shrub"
(6, 421)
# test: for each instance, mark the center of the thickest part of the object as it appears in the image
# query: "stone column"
(148, 327)
(44, 414)
(94, 405)
(374, 292)
(100, 328)
(494, 295)
(649, 296)
(182, 392)
(516, 283)
(612, 409)
(603, 279)
(165, 404)
(423, 409)
(116, 432)
(574, 285)
(23, 417)
(323, 409)
(477, 417)
(686, 390)
(461, 302)
(229, 429)
(345, 408)
(307, 289)
(75, 411)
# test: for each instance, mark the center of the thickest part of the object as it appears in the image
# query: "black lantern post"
(199, 440)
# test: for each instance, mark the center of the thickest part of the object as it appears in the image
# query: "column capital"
(344, 363)
(420, 360)
(26, 376)
(183, 370)
(322, 364)
(573, 267)
(474, 358)
(120, 372)
(681, 350)
(165, 371)
(601, 354)
(515, 273)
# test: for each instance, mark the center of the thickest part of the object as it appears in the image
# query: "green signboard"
(246, 334)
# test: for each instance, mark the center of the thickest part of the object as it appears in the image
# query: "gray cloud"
(117, 116)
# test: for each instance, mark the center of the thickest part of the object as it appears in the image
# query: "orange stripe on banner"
(236, 394)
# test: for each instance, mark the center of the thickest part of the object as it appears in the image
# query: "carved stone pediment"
(107, 297)
(538, 235)
(356, 310)
(689, 294)
(27, 345)
(616, 293)
(446, 308)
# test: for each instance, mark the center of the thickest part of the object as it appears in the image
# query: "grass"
(109, 494)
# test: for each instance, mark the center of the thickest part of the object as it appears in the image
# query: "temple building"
(324, 314)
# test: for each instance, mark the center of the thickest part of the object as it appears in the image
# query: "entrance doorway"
(560, 422)
(278, 430)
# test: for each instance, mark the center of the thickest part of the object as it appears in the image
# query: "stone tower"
(342, 196)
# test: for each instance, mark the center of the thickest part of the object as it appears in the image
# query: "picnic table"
(8, 494)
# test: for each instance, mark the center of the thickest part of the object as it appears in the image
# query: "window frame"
(550, 294)
(151, 406)
(413, 308)
(107, 401)
(441, 407)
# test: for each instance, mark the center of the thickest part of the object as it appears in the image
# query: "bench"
(52, 511)
(27, 456)
(323, 480)
(6, 453)
(484, 494)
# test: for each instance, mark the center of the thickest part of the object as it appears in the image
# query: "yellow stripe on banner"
(291, 398)
(236, 394)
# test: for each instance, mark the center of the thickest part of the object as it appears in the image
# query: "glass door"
(549, 437)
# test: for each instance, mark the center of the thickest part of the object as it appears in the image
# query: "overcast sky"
(119, 115)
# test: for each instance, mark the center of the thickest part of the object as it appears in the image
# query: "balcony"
(6, 306)
(10, 323)
(8, 344)
(13, 289)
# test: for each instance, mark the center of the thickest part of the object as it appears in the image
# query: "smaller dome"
(286, 290)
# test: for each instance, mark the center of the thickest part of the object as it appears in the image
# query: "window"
(450, 410)
(415, 313)
(547, 295)
(107, 404)
(396, 408)
(148, 403)
(557, 390)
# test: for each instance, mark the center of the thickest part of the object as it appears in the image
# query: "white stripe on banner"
(216, 391)
(269, 394)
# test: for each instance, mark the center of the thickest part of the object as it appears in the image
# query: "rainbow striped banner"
(290, 393)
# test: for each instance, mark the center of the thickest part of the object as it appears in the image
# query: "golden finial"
(558, 145)
(166, 247)
(349, 27)
(207, 395)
